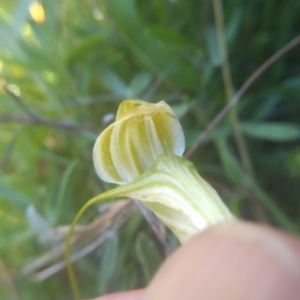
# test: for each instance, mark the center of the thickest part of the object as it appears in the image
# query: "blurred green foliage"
(62, 78)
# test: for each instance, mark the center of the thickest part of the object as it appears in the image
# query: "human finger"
(130, 295)
(231, 261)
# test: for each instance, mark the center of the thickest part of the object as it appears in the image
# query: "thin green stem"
(70, 270)
(227, 79)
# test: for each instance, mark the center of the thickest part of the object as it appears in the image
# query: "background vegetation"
(61, 80)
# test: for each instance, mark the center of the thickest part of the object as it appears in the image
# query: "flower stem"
(70, 270)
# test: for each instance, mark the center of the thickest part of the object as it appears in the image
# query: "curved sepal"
(178, 196)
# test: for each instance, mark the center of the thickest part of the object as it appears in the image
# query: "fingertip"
(130, 295)
(232, 261)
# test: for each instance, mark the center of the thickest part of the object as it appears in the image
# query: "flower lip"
(141, 132)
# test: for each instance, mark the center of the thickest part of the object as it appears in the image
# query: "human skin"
(231, 261)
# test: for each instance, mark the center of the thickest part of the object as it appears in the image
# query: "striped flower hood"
(141, 132)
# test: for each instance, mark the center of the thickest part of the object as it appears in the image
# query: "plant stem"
(227, 79)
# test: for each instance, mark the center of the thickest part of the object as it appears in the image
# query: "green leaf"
(235, 171)
(113, 82)
(230, 163)
(109, 265)
(127, 16)
(21, 15)
(84, 49)
(181, 109)
(64, 188)
(212, 45)
(14, 197)
(138, 84)
(148, 255)
(9, 41)
(272, 131)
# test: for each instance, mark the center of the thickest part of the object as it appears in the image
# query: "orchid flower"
(142, 152)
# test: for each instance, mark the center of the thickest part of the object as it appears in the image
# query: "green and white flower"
(141, 151)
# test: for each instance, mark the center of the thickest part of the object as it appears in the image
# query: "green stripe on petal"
(103, 162)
